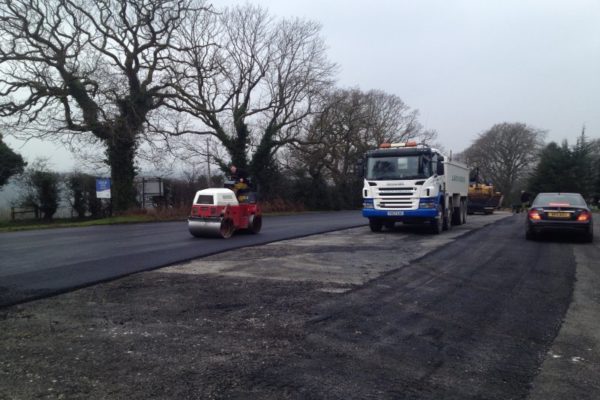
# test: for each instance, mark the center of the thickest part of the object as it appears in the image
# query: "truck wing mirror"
(440, 167)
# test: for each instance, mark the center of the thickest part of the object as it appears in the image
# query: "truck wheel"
(375, 225)
(447, 219)
(254, 223)
(437, 224)
(457, 216)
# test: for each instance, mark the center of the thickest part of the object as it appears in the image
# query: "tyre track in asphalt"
(471, 320)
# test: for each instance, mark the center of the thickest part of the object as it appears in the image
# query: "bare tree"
(254, 88)
(90, 69)
(352, 123)
(505, 154)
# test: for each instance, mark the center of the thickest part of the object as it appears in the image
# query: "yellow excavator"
(482, 197)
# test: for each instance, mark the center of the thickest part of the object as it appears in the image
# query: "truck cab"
(410, 183)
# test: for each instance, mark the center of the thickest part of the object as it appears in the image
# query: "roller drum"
(221, 228)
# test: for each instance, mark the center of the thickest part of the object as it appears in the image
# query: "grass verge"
(26, 225)
(275, 207)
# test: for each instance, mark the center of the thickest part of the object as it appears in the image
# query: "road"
(469, 314)
(35, 264)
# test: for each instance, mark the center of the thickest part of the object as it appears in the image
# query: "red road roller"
(218, 213)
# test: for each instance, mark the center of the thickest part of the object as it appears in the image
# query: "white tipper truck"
(414, 184)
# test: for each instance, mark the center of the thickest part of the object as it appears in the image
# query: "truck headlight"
(428, 202)
(368, 203)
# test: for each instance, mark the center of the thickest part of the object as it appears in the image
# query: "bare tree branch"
(81, 67)
(255, 86)
(351, 123)
(505, 154)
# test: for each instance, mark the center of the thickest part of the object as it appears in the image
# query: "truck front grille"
(401, 191)
(396, 198)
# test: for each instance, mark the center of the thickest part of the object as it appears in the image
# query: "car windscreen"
(553, 199)
(397, 167)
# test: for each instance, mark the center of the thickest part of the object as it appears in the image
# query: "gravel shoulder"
(339, 261)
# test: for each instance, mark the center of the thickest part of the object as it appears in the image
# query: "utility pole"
(208, 184)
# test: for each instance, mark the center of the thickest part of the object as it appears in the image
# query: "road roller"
(218, 213)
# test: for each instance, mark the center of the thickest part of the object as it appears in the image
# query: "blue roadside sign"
(103, 188)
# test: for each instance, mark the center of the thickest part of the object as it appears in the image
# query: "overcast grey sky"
(468, 64)
(465, 64)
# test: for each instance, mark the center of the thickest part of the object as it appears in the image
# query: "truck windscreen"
(398, 167)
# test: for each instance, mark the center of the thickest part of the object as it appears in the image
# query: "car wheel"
(530, 234)
(589, 236)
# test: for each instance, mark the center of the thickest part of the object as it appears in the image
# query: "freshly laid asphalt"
(475, 313)
(36, 264)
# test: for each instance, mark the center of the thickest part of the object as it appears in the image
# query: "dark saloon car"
(566, 212)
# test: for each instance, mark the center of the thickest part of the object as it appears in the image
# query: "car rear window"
(205, 199)
(547, 199)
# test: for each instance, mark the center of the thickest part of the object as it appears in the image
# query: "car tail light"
(584, 216)
(534, 214)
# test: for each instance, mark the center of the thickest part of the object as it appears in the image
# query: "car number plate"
(395, 213)
(561, 215)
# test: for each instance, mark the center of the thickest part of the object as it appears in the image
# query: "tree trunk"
(262, 159)
(238, 145)
(120, 150)
(238, 154)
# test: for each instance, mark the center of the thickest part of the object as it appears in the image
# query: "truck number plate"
(395, 213)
